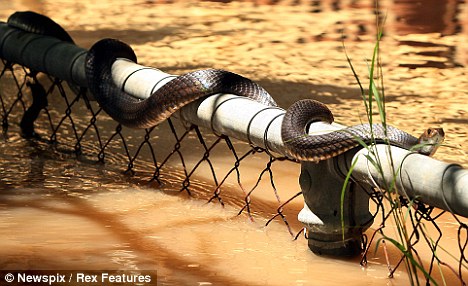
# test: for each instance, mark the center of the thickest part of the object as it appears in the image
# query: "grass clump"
(392, 202)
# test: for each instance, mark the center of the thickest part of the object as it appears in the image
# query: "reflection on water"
(57, 211)
(407, 17)
(428, 16)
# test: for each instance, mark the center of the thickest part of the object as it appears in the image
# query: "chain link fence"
(179, 157)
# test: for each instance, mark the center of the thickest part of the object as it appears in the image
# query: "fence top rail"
(238, 117)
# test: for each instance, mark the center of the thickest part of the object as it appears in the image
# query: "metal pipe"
(432, 182)
(251, 122)
(43, 54)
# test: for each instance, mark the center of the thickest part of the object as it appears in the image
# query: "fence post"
(334, 219)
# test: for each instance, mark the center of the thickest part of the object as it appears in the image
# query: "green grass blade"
(343, 193)
(410, 257)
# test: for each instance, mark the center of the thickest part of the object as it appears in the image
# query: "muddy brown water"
(60, 213)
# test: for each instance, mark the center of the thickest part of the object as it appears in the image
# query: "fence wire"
(81, 127)
(73, 124)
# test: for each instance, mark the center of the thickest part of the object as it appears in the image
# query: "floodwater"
(60, 213)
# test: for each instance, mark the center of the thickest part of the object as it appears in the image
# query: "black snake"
(133, 112)
(180, 91)
(39, 24)
(305, 147)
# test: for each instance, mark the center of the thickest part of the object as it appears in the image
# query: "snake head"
(430, 140)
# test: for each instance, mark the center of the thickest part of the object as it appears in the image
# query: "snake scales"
(133, 112)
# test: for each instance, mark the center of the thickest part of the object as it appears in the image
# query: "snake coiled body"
(130, 111)
(305, 147)
(175, 94)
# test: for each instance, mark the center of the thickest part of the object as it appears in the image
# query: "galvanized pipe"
(235, 116)
(432, 182)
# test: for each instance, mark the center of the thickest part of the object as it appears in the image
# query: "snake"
(133, 112)
(186, 88)
(317, 147)
(33, 22)
(39, 96)
(36, 23)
